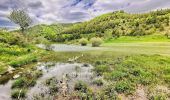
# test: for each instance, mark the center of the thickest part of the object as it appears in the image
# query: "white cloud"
(51, 11)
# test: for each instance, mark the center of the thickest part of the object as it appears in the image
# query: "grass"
(23, 60)
(135, 39)
(130, 71)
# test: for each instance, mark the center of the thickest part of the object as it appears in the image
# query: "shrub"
(83, 42)
(96, 42)
(81, 86)
(17, 92)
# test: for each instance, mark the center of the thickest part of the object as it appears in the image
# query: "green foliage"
(108, 34)
(116, 75)
(81, 86)
(23, 60)
(125, 87)
(19, 83)
(98, 82)
(96, 42)
(83, 41)
(158, 97)
(12, 38)
(121, 23)
(101, 69)
(52, 83)
(49, 32)
(24, 82)
(108, 93)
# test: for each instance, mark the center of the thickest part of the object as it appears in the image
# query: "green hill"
(120, 23)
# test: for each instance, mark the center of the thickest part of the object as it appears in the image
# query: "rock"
(16, 76)
(22, 68)
(10, 69)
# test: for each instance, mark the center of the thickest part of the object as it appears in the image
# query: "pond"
(70, 48)
(75, 71)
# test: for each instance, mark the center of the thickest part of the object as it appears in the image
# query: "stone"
(16, 76)
(10, 69)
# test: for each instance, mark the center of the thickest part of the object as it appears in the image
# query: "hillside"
(120, 23)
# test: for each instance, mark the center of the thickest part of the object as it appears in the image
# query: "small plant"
(83, 42)
(158, 97)
(53, 88)
(19, 83)
(96, 42)
(98, 82)
(81, 86)
(101, 69)
(38, 73)
(52, 83)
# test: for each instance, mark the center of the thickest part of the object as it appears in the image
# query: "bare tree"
(20, 17)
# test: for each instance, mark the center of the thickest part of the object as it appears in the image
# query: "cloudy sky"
(68, 11)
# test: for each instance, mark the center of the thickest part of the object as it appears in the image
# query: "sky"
(70, 11)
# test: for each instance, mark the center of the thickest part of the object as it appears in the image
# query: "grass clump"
(53, 85)
(101, 69)
(24, 82)
(19, 83)
(125, 87)
(83, 41)
(81, 86)
(23, 60)
(96, 42)
(98, 82)
(17, 93)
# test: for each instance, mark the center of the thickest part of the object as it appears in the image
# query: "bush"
(83, 42)
(96, 42)
(17, 92)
